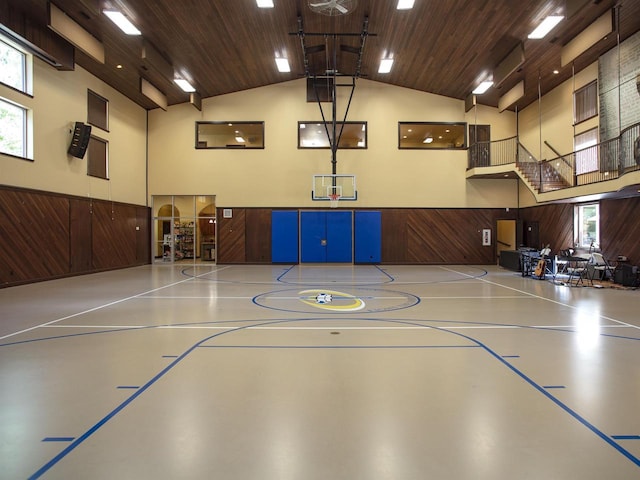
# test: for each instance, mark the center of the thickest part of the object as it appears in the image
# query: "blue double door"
(326, 237)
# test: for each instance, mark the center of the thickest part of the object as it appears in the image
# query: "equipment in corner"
(79, 140)
(332, 8)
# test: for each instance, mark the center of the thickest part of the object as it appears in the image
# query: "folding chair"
(597, 263)
(577, 270)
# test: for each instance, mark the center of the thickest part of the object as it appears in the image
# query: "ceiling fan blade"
(341, 8)
(319, 5)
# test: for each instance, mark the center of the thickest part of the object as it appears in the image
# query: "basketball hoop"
(334, 198)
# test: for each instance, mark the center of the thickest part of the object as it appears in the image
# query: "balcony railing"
(602, 162)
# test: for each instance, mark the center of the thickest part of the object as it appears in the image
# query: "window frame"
(586, 154)
(364, 127)
(25, 154)
(98, 151)
(26, 67)
(585, 103)
(579, 224)
(97, 110)
(201, 144)
(422, 129)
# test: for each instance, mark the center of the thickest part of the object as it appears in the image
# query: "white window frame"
(24, 147)
(584, 238)
(11, 97)
(26, 68)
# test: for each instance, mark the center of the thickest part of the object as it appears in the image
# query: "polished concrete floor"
(318, 372)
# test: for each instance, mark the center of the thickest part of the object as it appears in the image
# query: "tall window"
(15, 73)
(98, 158)
(13, 67)
(585, 102)
(585, 146)
(587, 224)
(13, 129)
(97, 110)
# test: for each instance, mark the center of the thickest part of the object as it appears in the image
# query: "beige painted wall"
(59, 99)
(280, 175)
(551, 119)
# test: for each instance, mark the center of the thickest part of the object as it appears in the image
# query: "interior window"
(229, 135)
(320, 135)
(98, 158)
(585, 102)
(432, 135)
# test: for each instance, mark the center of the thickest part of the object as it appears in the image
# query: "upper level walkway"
(601, 168)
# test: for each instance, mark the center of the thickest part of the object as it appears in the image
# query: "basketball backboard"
(324, 186)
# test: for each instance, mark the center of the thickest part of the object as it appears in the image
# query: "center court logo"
(331, 300)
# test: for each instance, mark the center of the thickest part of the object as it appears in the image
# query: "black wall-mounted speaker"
(80, 140)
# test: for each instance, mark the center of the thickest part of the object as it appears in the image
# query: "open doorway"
(184, 228)
(505, 236)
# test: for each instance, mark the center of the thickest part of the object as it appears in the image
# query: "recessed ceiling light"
(546, 26)
(385, 65)
(556, 72)
(118, 66)
(483, 87)
(122, 22)
(184, 85)
(405, 4)
(283, 65)
(265, 3)
(239, 139)
(428, 140)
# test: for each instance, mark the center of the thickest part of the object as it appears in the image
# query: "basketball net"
(334, 198)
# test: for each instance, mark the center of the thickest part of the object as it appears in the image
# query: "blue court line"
(78, 441)
(626, 437)
(563, 406)
(391, 278)
(231, 322)
(412, 301)
(58, 439)
(279, 278)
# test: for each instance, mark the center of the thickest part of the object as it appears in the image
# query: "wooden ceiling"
(439, 46)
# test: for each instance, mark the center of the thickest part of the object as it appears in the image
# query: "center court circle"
(347, 300)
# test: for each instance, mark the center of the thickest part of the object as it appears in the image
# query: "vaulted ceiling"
(439, 46)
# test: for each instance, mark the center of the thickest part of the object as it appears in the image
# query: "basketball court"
(318, 371)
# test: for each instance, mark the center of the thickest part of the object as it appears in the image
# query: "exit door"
(326, 237)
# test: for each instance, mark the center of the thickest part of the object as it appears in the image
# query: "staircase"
(542, 176)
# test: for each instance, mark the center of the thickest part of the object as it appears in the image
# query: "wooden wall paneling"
(258, 235)
(231, 236)
(620, 229)
(34, 231)
(394, 235)
(555, 224)
(113, 235)
(450, 236)
(79, 236)
(143, 235)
